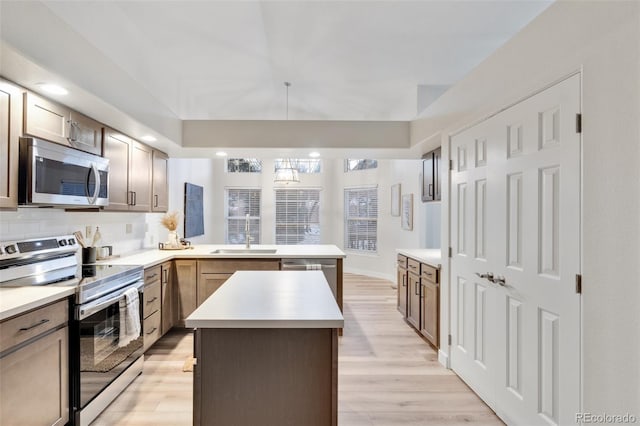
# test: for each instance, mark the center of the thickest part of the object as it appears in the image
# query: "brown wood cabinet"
(10, 130)
(413, 299)
(430, 312)
(431, 180)
(160, 201)
(130, 170)
(402, 285)
(35, 376)
(186, 276)
(54, 122)
(168, 297)
(213, 273)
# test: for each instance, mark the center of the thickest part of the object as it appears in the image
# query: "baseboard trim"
(443, 358)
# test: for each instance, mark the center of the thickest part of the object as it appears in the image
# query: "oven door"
(102, 358)
(57, 175)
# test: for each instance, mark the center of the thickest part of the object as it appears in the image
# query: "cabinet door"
(35, 382)
(430, 312)
(428, 189)
(168, 299)
(140, 168)
(402, 291)
(152, 329)
(85, 133)
(208, 284)
(437, 173)
(186, 280)
(413, 299)
(45, 119)
(10, 122)
(160, 165)
(117, 148)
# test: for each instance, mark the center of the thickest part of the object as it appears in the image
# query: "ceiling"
(185, 60)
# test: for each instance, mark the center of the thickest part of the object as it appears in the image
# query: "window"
(361, 219)
(351, 165)
(239, 202)
(297, 216)
(304, 165)
(244, 165)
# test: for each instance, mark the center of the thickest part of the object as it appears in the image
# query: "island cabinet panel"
(10, 124)
(186, 276)
(296, 367)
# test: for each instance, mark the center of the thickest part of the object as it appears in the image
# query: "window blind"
(361, 219)
(238, 203)
(297, 216)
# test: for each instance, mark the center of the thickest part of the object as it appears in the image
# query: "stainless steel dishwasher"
(327, 266)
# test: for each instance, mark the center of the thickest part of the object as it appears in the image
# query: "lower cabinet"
(209, 283)
(419, 296)
(168, 310)
(34, 379)
(186, 277)
(151, 327)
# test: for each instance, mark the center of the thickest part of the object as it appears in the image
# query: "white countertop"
(151, 257)
(429, 256)
(270, 299)
(16, 300)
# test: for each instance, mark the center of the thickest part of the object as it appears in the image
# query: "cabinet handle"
(152, 300)
(153, 276)
(44, 321)
(428, 273)
(422, 293)
(430, 189)
(404, 281)
(417, 289)
(152, 330)
(155, 200)
(135, 198)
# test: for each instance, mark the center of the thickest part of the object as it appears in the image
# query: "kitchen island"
(266, 349)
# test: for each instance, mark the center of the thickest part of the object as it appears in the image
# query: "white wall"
(602, 40)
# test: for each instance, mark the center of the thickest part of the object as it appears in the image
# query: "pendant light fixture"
(286, 173)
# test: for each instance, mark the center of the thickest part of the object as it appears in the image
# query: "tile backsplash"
(126, 232)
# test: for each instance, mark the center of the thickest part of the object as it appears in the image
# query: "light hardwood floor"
(388, 375)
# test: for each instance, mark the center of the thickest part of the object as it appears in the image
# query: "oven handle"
(88, 309)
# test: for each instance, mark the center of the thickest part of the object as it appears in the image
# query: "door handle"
(499, 280)
(487, 275)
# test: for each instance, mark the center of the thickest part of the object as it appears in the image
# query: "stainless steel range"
(101, 363)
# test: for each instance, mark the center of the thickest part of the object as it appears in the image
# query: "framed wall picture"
(395, 200)
(407, 212)
(193, 210)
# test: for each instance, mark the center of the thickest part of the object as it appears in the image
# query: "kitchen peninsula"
(266, 350)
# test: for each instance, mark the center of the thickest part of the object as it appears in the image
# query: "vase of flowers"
(170, 221)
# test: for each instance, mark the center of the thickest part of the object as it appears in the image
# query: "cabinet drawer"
(151, 298)
(232, 265)
(413, 266)
(402, 261)
(429, 273)
(152, 274)
(23, 327)
(151, 329)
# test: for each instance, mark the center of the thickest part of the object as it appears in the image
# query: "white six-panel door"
(515, 214)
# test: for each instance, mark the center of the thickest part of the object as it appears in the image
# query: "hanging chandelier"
(285, 172)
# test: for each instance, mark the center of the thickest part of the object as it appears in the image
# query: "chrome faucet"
(247, 243)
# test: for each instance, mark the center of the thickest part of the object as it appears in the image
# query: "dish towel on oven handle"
(130, 327)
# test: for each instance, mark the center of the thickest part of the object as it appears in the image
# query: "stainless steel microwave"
(55, 175)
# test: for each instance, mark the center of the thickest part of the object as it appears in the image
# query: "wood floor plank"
(388, 374)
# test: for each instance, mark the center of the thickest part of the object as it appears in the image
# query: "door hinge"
(578, 123)
(578, 283)
(450, 252)
(449, 340)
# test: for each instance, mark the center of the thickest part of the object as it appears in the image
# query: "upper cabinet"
(130, 171)
(431, 181)
(57, 123)
(160, 201)
(10, 124)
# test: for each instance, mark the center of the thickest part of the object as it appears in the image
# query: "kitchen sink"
(244, 251)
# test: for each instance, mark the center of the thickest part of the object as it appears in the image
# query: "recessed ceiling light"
(314, 154)
(148, 138)
(54, 89)
(221, 154)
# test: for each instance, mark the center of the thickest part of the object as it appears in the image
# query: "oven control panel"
(17, 249)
